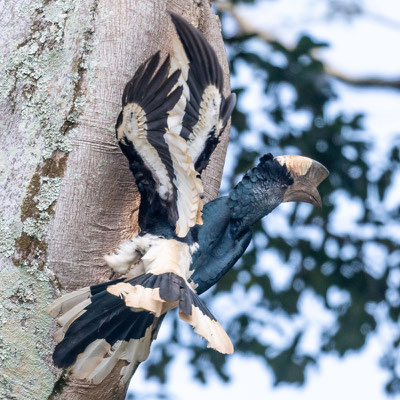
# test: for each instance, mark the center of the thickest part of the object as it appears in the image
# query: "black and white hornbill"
(172, 118)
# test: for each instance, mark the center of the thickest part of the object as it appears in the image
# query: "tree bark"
(67, 194)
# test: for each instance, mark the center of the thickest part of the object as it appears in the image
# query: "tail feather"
(171, 290)
(117, 321)
(106, 365)
(69, 300)
(97, 330)
(90, 358)
(106, 318)
(209, 329)
(205, 325)
(68, 318)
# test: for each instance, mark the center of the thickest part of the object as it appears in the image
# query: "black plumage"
(261, 190)
(228, 220)
(175, 257)
(204, 71)
(151, 90)
(106, 317)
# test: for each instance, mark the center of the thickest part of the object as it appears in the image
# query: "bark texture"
(66, 192)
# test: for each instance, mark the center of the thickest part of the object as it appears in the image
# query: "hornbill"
(173, 115)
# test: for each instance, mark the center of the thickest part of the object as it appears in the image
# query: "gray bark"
(66, 192)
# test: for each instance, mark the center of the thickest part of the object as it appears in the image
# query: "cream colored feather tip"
(189, 202)
(90, 358)
(136, 352)
(68, 318)
(66, 302)
(209, 329)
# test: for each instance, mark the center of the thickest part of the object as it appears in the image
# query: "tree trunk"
(68, 196)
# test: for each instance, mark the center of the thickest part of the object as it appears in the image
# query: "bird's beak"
(307, 174)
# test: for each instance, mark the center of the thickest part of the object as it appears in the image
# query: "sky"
(355, 377)
(368, 45)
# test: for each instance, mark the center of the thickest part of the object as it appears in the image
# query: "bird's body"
(172, 118)
(228, 221)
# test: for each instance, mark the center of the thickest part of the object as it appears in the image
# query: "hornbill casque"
(173, 115)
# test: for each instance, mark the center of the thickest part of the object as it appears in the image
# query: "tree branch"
(248, 28)
(363, 82)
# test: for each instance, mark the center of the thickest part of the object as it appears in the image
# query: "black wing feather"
(204, 71)
(157, 157)
(107, 317)
(153, 91)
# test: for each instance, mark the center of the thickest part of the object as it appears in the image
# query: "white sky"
(358, 48)
(354, 377)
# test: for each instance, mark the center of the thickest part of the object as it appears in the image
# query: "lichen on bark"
(23, 329)
(63, 209)
(42, 99)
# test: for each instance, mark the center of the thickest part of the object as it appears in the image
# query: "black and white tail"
(97, 330)
(118, 320)
(173, 115)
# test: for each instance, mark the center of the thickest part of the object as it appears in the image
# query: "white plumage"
(171, 121)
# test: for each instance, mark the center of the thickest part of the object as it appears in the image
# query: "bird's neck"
(258, 193)
(250, 207)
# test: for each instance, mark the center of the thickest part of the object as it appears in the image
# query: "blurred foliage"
(340, 260)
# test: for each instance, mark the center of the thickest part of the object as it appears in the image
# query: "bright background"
(356, 50)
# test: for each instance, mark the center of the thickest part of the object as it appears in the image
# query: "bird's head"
(271, 182)
(307, 174)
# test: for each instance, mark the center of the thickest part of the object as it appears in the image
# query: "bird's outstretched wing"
(204, 109)
(157, 156)
(172, 119)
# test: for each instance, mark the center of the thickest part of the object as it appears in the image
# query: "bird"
(173, 115)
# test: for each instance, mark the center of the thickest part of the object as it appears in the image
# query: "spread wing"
(164, 174)
(204, 109)
(172, 118)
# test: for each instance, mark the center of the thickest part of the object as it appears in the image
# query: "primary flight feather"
(173, 115)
